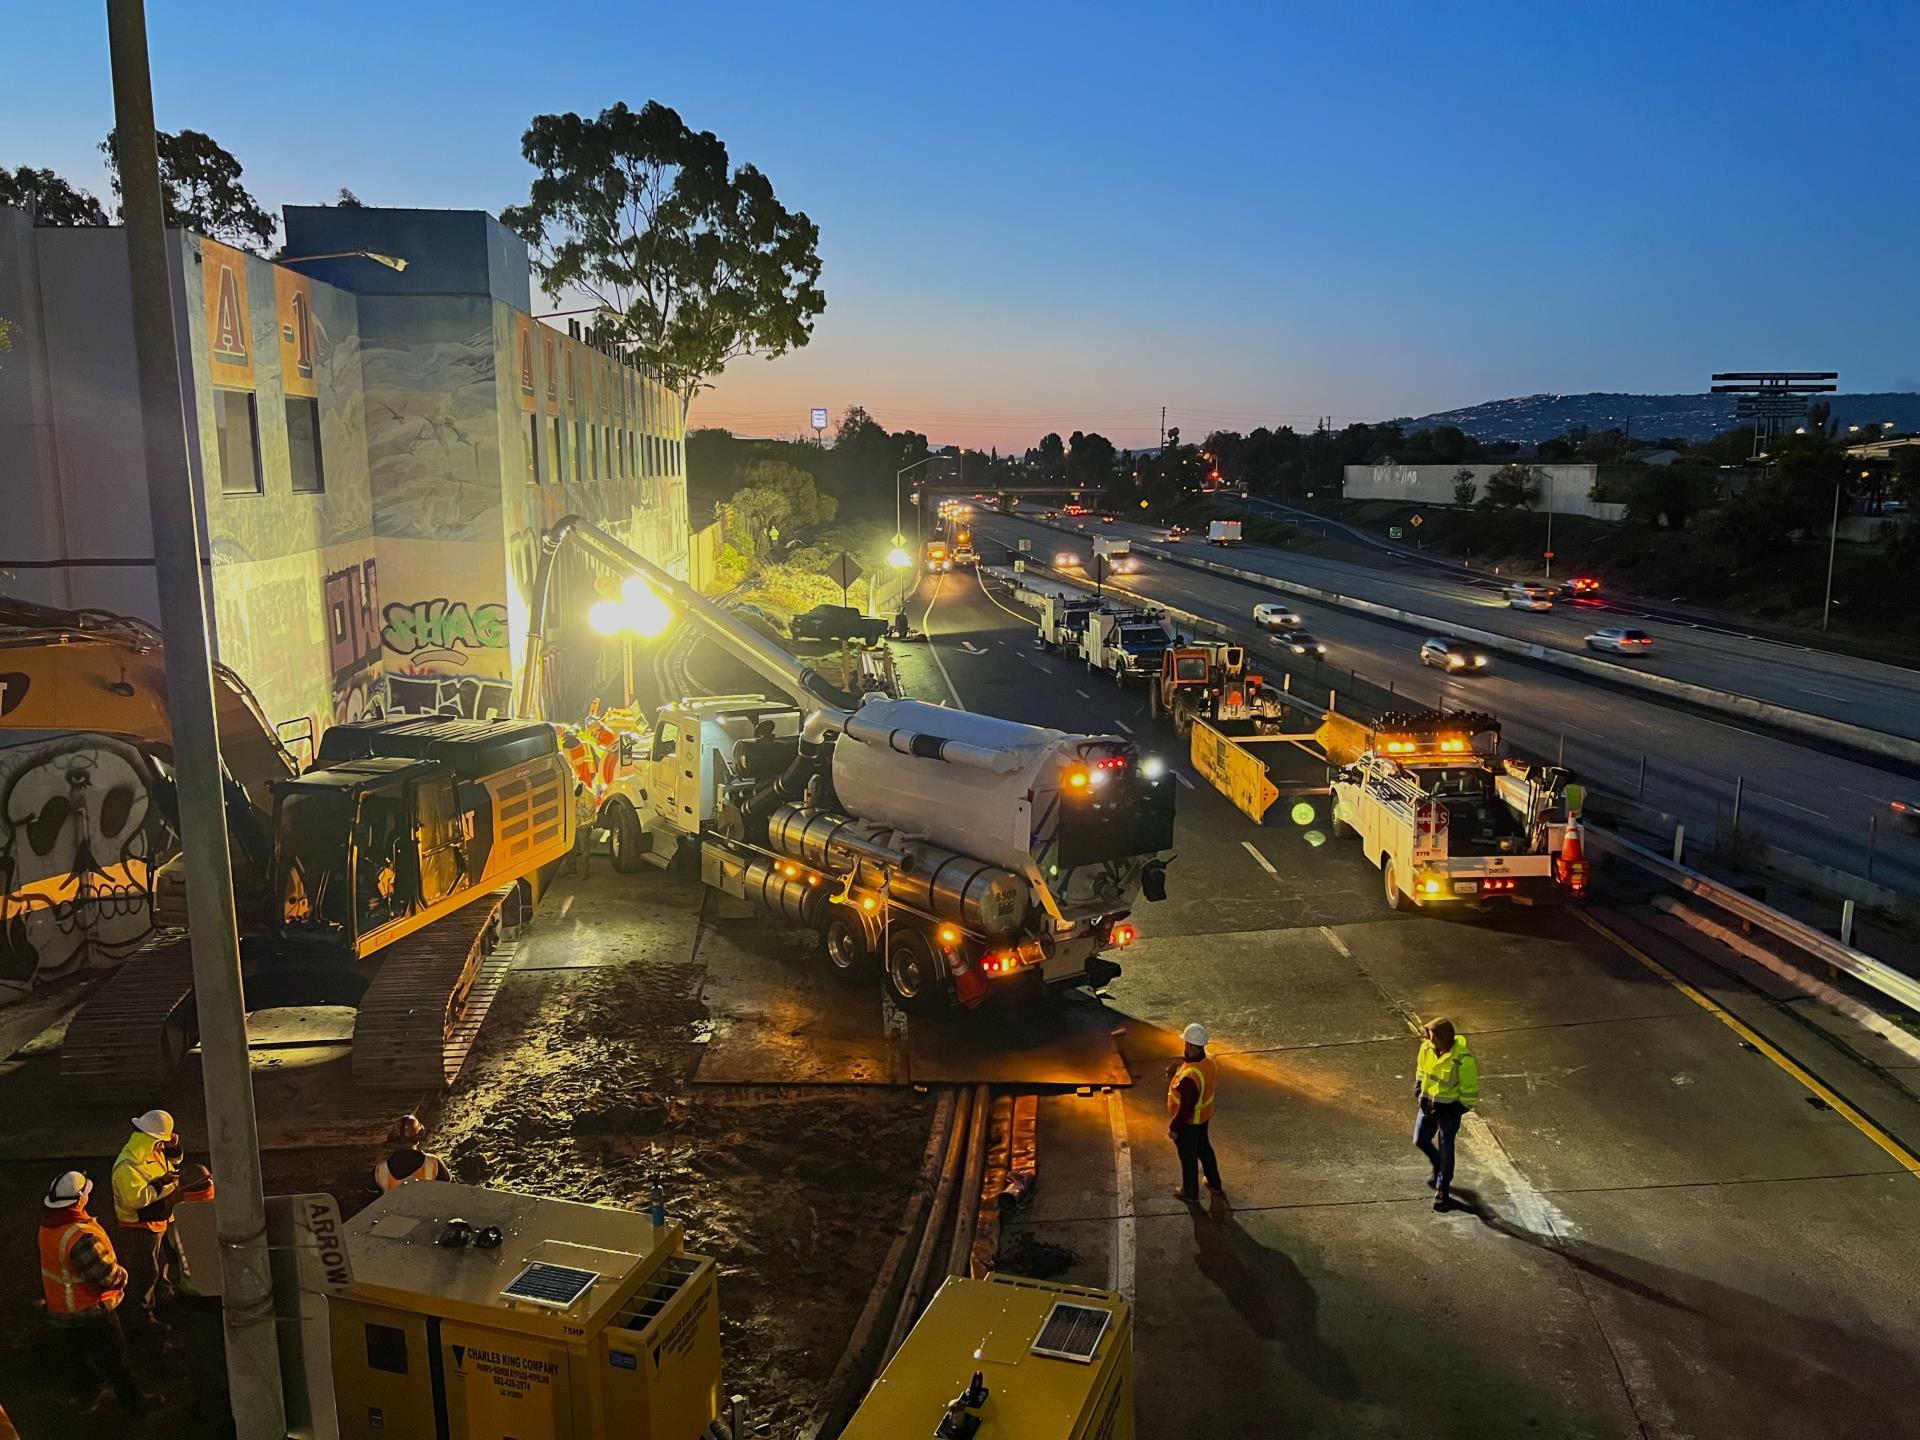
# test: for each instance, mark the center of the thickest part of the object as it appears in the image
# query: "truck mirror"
(1153, 881)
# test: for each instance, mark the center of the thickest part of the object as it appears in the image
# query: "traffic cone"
(1572, 863)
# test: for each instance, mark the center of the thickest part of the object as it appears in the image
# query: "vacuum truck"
(957, 856)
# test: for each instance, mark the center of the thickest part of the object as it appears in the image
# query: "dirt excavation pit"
(579, 1090)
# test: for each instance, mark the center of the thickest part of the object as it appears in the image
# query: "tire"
(626, 841)
(848, 951)
(914, 971)
(1340, 827)
(1395, 899)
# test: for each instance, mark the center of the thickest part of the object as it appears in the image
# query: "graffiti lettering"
(444, 625)
(471, 697)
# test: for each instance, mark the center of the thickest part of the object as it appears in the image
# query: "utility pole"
(253, 1351)
(1163, 428)
(1833, 539)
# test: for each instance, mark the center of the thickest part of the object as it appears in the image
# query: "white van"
(1525, 595)
(1276, 617)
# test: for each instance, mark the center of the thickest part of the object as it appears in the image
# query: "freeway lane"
(1662, 1237)
(1805, 801)
(1842, 687)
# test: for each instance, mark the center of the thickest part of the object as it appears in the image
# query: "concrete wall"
(1565, 486)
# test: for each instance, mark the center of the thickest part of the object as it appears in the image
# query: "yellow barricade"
(1235, 772)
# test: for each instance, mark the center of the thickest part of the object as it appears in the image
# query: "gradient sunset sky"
(1061, 216)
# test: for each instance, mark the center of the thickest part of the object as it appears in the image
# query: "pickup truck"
(1126, 644)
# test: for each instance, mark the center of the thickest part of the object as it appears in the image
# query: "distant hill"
(1532, 418)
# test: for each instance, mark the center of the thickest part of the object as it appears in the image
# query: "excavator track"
(133, 1031)
(419, 1018)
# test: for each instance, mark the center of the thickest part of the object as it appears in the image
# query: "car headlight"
(1453, 661)
(1298, 649)
(1479, 660)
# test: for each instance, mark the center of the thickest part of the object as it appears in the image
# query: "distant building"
(377, 452)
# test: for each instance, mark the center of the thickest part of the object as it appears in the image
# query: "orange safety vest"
(69, 1294)
(1206, 1075)
(430, 1169)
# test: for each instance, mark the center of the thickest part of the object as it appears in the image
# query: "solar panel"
(1072, 1332)
(557, 1287)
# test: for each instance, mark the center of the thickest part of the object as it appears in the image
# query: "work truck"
(1114, 555)
(1209, 680)
(1223, 532)
(1445, 818)
(957, 855)
(1125, 644)
(1063, 622)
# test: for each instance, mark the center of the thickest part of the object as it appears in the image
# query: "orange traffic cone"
(1572, 862)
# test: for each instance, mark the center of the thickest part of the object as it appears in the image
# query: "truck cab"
(1116, 553)
(1126, 644)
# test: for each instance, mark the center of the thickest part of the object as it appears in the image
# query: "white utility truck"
(1063, 622)
(1126, 644)
(1115, 555)
(958, 855)
(1446, 820)
(1223, 532)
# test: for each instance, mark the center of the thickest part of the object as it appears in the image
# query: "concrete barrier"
(1746, 707)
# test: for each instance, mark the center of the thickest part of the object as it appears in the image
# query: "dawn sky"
(1056, 216)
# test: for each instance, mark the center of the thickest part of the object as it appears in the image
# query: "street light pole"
(1833, 536)
(253, 1351)
(1549, 557)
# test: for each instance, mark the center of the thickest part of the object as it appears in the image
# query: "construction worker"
(146, 1186)
(1191, 1085)
(84, 1283)
(409, 1162)
(1446, 1083)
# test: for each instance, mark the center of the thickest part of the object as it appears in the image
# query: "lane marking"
(1335, 941)
(1124, 726)
(1083, 695)
(1183, 779)
(1120, 1260)
(1905, 1157)
(1265, 864)
(926, 628)
(1789, 805)
(982, 579)
(565, 906)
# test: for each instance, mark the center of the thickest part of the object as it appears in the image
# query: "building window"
(606, 450)
(239, 426)
(303, 445)
(557, 448)
(530, 438)
(633, 454)
(579, 444)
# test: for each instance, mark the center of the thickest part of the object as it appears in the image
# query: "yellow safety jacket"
(140, 1177)
(432, 1167)
(1454, 1076)
(1204, 1074)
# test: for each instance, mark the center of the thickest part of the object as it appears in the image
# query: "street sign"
(1025, 543)
(1546, 554)
(1418, 520)
(1393, 532)
(844, 570)
(898, 538)
(819, 417)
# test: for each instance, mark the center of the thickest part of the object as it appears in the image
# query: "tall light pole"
(253, 1350)
(1833, 537)
(1549, 556)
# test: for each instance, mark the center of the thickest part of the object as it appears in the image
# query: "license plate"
(1465, 887)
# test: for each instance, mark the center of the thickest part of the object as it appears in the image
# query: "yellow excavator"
(379, 878)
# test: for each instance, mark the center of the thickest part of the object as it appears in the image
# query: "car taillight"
(1122, 934)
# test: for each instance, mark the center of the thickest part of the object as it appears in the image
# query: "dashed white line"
(1083, 695)
(1265, 864)
(1183, 779)
(1335, 941)
(1789, 805)
(1124, 726)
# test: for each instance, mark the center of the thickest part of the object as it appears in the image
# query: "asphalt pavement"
(1664, 1229)
(1827, 807)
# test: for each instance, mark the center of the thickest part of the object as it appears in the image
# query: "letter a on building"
(223, 273)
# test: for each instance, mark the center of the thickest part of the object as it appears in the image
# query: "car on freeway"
(1175, 533)
(1620, 640)
(837, 622)
(1906, 815)
(1454, 656)
(1526, 595)
(1299, 642)
(1107, 517)
(1276, 617)
(1050, 515)
(1068, 560)
(1578, 585)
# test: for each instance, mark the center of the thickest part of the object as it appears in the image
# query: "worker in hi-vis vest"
(1192, 1083)
(1446, 1083)
(408, 1161)
(83, 1283)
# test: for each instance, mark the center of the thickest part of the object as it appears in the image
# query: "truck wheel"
(626, 841)
(1395, 900)
(843, 940)
(913, 970)
(1340, 827)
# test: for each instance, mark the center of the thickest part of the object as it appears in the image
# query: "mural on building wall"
(79, 837)
(353, 641)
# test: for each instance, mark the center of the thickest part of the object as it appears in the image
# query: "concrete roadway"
(1661, 1235)
(1819, 682)
(1802, 800)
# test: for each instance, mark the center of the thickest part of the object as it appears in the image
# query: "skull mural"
(78, 840)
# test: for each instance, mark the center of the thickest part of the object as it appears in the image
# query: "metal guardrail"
(1896, 985)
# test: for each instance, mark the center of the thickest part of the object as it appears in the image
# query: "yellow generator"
(485, 1315)
(1007, 1358)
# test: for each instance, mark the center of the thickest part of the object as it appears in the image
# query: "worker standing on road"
(409, 1162)
(1191, 1085)
(1446, 1082)
(84, 1283)
(146, 1184)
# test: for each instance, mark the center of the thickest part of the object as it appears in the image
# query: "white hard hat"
(1195, 1034)
(70, 1189)
(157, 1123)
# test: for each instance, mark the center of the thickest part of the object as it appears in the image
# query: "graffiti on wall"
(79, 837)
(442, 629)
(353, 641)
(472, 697)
